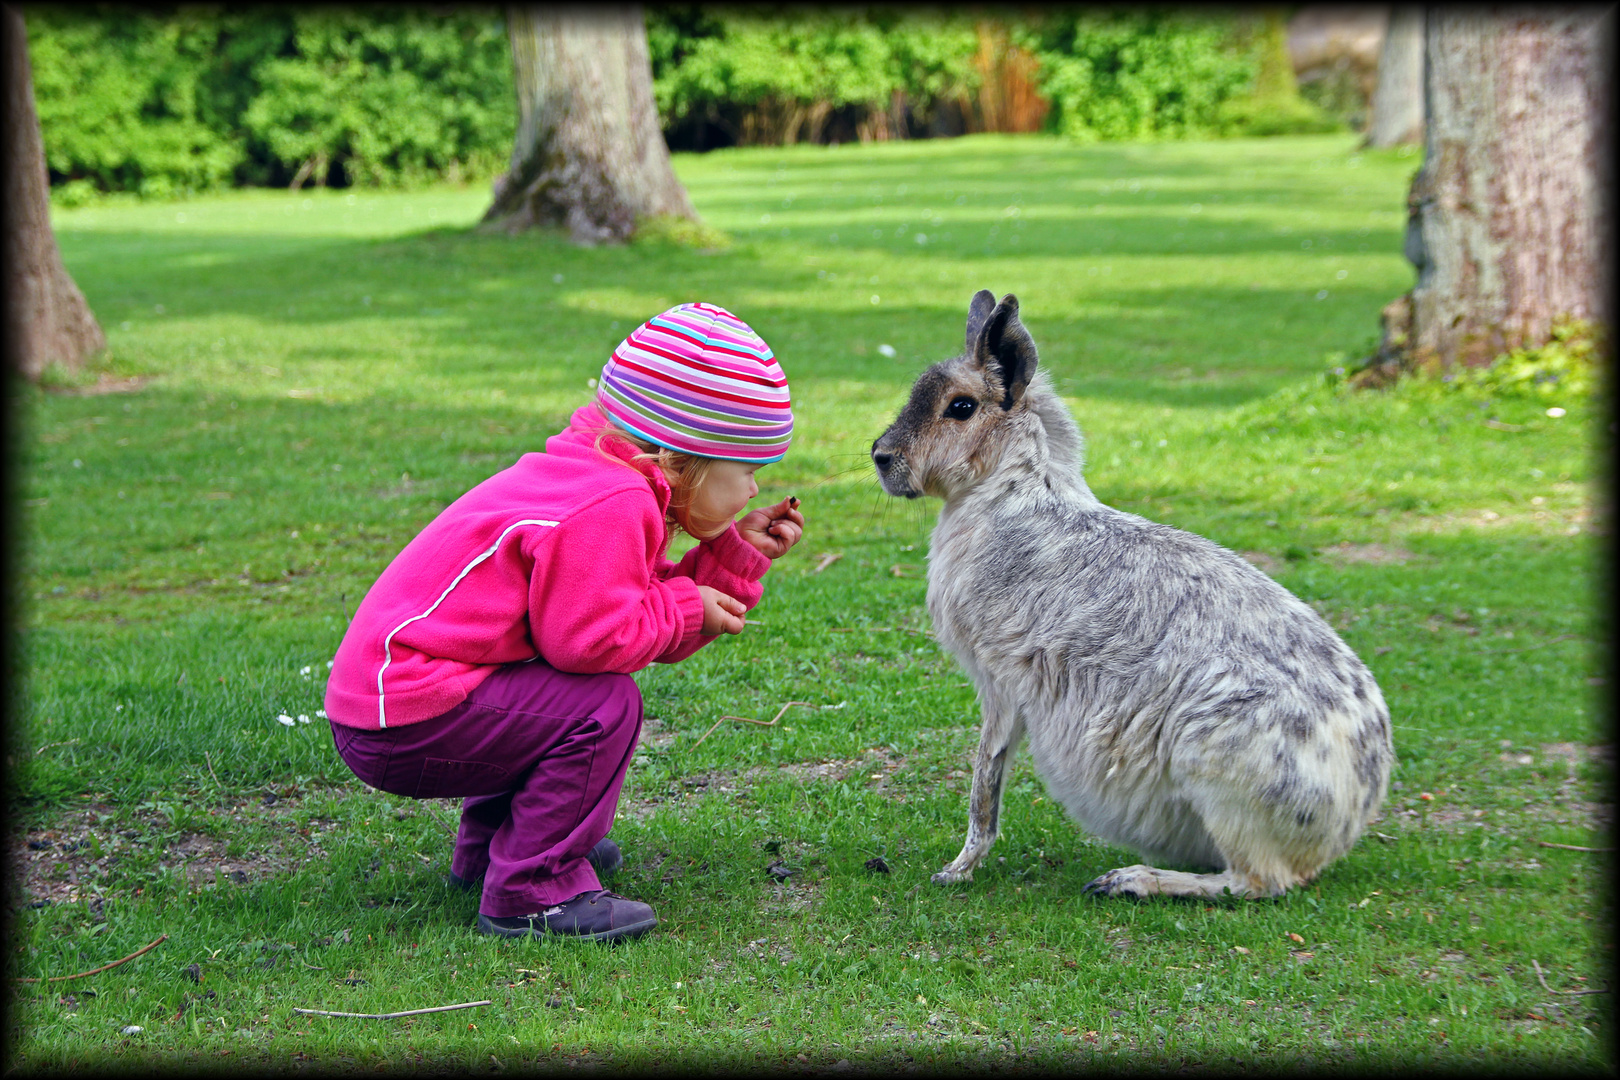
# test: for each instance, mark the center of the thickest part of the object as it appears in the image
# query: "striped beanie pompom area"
(698, 380)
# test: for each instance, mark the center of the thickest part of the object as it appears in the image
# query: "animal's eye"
(961, 408)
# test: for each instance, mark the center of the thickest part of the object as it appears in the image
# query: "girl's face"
(723, 495)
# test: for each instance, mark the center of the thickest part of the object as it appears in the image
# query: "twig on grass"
(1385, 838)
(434, 814)
(1571, 993)
(877, 630)
(211, 771)
(758, 723)
(103, 967)
(48, 745)
(826, 559)
(393, 1015)
(1572, 847)
(1538, 645)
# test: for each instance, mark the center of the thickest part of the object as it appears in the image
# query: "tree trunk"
(1509, 215)
(589, 154)
(1397, 101)
(49, 319)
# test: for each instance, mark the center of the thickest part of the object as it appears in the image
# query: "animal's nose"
(882, 459)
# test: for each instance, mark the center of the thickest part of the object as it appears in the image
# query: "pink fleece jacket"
(559, 557)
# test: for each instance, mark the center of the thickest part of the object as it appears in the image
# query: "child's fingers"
(787, 516)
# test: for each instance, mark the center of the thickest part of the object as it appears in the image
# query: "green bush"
(167, 101)
(118, 94)
(777, 78)
(1163, 74)
(1566, 366)
(1137, 74)
(1274, 116)
(390, 97)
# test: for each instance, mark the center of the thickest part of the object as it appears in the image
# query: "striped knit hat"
(697, 379)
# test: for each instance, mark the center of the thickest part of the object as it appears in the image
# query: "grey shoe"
(591, 916)
(605, 857)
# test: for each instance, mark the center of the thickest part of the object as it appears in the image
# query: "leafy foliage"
(1132, 74)
(120, 96)
(392, 99)
(1163, 74)
(170, 100)
(1567, 365)
(770, 77)
(160, 102)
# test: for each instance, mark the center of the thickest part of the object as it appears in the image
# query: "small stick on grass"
(1542, 979)
(1538, 645)
(48, 745)
(211, 771)
(876, 630)
(434, 814)
(393, 1015)
(758, 723)
(826, 559)
(1573, 847)
(103, 967)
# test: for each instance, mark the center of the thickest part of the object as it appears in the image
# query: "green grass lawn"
(297, 382)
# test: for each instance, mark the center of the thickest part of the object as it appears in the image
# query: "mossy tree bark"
(1508, 217)
(589, 155)
(1397, 100)
(48, 318)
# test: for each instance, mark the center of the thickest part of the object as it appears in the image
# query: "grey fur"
(1176, 699)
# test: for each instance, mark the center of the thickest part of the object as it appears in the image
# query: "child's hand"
(773, 530)
(722, 614)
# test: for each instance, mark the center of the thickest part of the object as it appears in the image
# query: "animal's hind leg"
(998, 738)
(1258, 861)
(1141, 880)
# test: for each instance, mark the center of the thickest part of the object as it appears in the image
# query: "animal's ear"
(1005, 349)
(983, 302)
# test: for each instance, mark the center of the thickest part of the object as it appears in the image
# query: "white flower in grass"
(887, 350)
(1555, 412)
(285, 720)
(321, 713)
(329, 664)
(302, 719)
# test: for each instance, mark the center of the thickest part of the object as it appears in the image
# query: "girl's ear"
(1005, 350)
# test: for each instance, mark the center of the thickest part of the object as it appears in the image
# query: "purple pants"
(539, 756)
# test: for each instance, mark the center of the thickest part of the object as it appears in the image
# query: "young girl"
(492, 658)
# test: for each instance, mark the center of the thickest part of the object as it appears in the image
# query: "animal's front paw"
(949, 876)
(1130, 882)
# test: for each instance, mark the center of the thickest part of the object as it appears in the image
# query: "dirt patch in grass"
(1344, 553)
(790, 897)
(78, 856)
(1269, 563)
(1573, 754)
(1546, 519)
(106, 383)
(1576, 803)
(876, 768)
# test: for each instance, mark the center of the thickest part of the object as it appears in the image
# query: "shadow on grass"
(460, 296)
